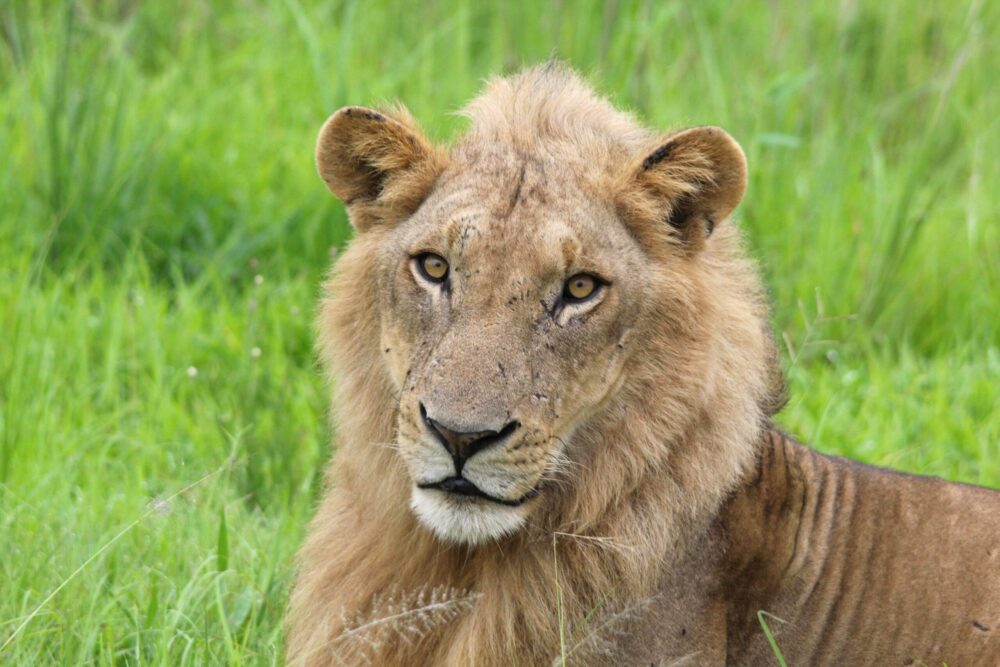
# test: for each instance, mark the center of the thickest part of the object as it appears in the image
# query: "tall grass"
(163, 234)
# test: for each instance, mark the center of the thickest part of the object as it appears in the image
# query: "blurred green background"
(163, 235)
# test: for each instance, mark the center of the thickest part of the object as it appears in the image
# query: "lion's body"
(852, 565)
(863, 565)
(641, 512)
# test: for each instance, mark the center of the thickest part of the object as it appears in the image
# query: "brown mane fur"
(665, 513)
(625, 512)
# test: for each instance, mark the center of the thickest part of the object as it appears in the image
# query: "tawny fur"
(646, 433)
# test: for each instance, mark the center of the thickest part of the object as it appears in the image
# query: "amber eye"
(580, 287)
(433, 267)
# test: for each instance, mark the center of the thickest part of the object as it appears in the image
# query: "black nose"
(463, 445)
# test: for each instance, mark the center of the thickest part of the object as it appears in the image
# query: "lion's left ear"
(690, 182)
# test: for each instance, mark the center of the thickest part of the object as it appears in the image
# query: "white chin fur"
(463, 519)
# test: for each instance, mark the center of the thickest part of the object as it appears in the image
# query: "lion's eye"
(580, 287)
(433, 267)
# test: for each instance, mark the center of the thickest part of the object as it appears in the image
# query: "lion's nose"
(463, 445)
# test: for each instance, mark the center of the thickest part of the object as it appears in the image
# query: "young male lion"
(554, 382)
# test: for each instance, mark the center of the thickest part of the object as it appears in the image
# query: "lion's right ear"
(378, 163)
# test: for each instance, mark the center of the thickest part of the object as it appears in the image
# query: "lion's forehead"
(517, 219)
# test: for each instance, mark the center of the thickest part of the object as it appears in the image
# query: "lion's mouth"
(462, 487)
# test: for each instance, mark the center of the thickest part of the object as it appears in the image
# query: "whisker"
(600, 540)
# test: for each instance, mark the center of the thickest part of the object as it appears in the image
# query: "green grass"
(156, 159)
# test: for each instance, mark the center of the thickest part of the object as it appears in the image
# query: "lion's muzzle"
(471, 482)
(463, 445)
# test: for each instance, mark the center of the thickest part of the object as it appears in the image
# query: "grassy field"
(163, 235)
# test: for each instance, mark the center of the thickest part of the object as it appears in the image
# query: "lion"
(554, 382)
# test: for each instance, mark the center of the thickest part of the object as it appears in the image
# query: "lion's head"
(514, 303)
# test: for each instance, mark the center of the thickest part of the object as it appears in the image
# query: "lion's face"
(505, 321)
(511, 283)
